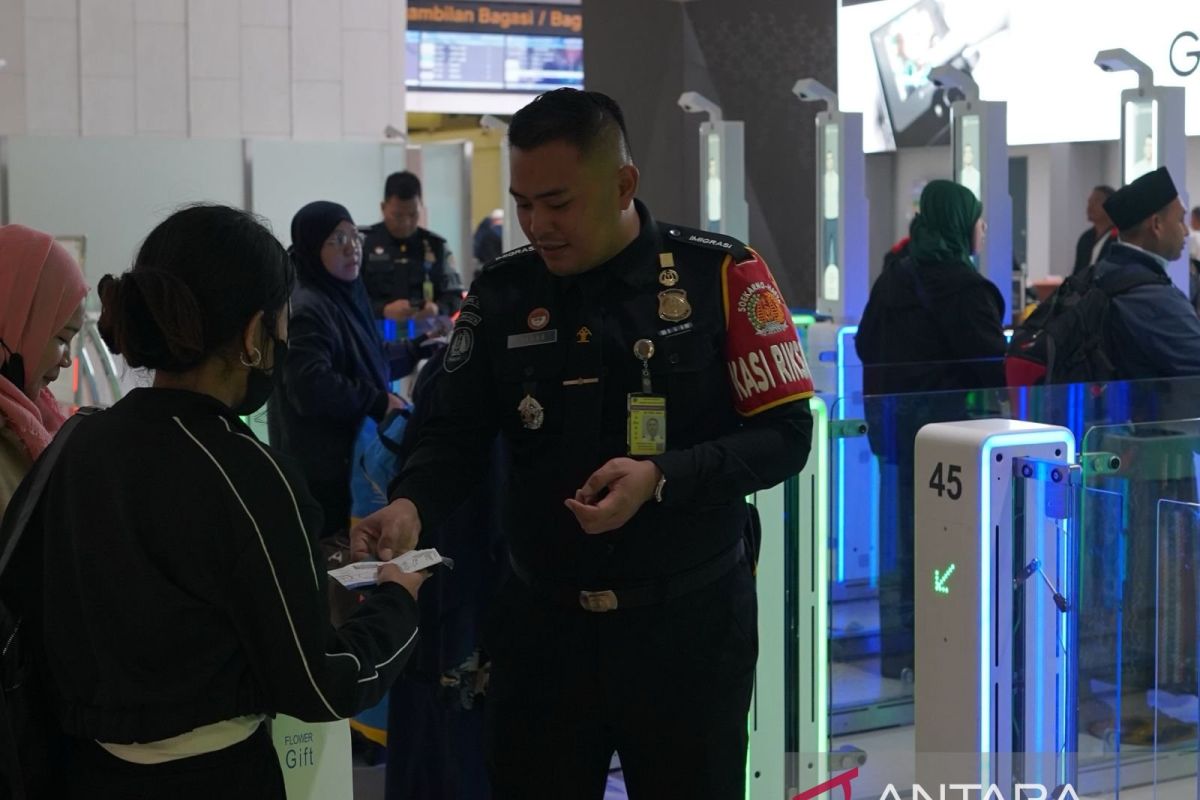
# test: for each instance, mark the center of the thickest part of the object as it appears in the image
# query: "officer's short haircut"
(1196, 212)
(587, 120)
(402, 185)
(1105, 190)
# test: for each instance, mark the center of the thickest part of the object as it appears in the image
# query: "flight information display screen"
(492, 62)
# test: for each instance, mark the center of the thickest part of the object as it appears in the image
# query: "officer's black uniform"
(395, 269)
(666, 677)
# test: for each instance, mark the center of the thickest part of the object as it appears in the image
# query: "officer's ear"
(627, 184)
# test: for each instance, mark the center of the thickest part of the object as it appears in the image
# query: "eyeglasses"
(341, 239)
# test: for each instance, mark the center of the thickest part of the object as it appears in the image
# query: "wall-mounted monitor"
(492, 62)
(1037, 55)
(482, 47)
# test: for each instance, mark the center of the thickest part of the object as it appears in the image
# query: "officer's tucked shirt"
(726, 357)
(1153, 328)
(415, 269)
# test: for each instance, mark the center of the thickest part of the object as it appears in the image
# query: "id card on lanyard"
(646, 412)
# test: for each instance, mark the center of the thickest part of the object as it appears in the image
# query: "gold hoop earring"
(254, 361)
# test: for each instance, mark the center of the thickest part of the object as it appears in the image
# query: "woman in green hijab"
(950, 228)
(932, 311)
(932, 325)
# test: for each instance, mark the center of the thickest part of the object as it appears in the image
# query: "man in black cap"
(1153, 328)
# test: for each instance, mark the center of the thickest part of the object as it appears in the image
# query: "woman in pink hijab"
(41, 309)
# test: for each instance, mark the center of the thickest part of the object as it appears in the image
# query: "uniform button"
(674, 231)
(673, 358)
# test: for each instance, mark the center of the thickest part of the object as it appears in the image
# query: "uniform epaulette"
(509, 257)
(435, 237)
(707, 239)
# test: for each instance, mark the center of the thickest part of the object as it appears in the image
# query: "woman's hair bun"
(151, 318)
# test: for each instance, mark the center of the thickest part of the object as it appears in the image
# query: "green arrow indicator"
(940, 578)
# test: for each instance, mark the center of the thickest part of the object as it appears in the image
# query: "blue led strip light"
(841, 402)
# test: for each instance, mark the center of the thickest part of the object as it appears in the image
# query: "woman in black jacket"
(183, 602)
(338, 368)
(932, 328)
(933, 322)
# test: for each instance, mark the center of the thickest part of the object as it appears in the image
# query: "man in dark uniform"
(630, 621)
(1093, 243)
(408, 271)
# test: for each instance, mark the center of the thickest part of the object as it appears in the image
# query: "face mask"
(260, 383)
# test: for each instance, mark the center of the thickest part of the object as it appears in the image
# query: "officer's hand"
(390, 573)
(390, 531)
(398, 310)
(428, 311)
(629, 483)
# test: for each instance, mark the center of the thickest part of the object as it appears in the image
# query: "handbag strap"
(25, 501)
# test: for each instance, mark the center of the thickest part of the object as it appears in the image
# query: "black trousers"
(435, 752)
(667, 687)
(248, 770)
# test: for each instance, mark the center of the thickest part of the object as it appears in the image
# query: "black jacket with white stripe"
(181, 585)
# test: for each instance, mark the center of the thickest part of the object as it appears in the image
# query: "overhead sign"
(536, 19)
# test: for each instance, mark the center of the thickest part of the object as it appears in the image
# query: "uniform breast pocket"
(690, 371)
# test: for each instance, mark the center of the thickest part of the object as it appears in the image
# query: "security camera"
(491, 122)
(1121, 60)
(811, 89)
(951, 78)
(392, 132)
(696, 103)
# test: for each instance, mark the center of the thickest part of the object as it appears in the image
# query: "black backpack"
(29, 734)
(1065, 339)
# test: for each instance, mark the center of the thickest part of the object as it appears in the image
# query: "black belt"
(650, 594)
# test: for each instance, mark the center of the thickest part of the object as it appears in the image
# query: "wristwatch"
(658, 489)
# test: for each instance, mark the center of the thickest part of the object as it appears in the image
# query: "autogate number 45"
(951, 484)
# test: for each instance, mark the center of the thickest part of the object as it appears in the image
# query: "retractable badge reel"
(647, 418)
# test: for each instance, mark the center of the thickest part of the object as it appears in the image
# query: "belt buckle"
(598, 601)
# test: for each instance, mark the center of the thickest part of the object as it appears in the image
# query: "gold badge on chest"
(673, 305)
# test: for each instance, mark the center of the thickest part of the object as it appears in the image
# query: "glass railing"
(1139, 699)
(1107, 635)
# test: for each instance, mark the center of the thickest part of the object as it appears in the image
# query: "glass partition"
(1148, 720)
(1175, 698)
(870, 558)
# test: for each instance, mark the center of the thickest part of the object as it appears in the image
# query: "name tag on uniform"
(647, 433)
(532, 339)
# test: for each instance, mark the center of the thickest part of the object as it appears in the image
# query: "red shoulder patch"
(766, 363)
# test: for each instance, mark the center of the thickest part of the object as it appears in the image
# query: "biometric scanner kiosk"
(1152, 133)
(512, 236)
(789, 714)
(723, 206)
(992, 593)
(843, 285)
(843, 275)
(979, 143)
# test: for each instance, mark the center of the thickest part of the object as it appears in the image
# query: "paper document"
(362, 573)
